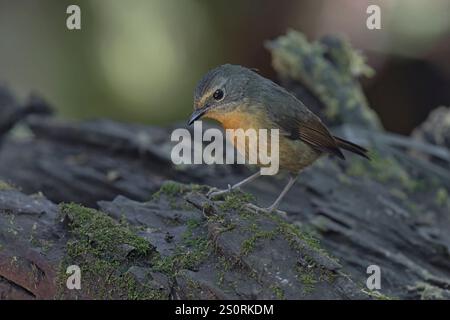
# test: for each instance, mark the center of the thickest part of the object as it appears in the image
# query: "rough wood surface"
(148, 237)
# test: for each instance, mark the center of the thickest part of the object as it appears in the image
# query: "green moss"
(427, 291)
(348, 59)
(249, 244)
(188, 255)
(441, 197)
(278, 292)
(308, 280)
(187, 236)
(377, 295)
(220, 223)
(96, 231)
(235, 200)
(223, 266)
(357, 168)
(333, 83)
(399, 194)
(412, 206)
(194, 289)
(45, 245)
(344, 179)
(171, 189)
(183, 258)
(309, 274)
(292, 232)
(5, 186)
(251, 226)
(97, 246)
(174, 190)
(384, 169)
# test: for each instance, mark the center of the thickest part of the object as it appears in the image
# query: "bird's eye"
(218, 94)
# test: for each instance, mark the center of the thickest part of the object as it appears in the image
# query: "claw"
(214, 192)
(211, 191)
(255, 209)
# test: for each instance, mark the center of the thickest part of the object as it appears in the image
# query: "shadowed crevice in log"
(10, 290)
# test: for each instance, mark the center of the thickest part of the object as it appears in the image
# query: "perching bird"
(238, 97)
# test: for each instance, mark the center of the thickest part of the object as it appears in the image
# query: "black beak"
(197, 114)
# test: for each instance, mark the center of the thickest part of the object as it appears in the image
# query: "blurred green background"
(139, 60)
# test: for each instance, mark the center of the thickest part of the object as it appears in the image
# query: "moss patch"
(5, 186)
(249, 244)
(291, 232)
(193, 250)
(104, 250)
(307, 278)
(235, 200)
(278, 292)
(183, 259)
(332, 82)
(309, 273)
(377, 295)
(442, 197)
(384, 169)
(427, 291)
(174, 190)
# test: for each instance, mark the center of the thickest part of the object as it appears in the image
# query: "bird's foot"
(214, 192)
(255, 209)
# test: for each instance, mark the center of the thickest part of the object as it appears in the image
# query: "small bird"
(240, 98)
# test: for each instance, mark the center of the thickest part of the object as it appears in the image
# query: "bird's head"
(220, 91)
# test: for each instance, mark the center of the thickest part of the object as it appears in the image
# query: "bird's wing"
(296, 122)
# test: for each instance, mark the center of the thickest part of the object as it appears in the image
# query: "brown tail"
(349, 146)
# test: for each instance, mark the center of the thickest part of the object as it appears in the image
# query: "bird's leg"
(214, 193)
(274, 206)
(288, 186)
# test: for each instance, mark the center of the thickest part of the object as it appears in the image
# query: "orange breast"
(231, 120)
(243, 120)
(240, 120)
(294, 155)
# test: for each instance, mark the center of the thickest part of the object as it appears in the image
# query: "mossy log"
(105, 196)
